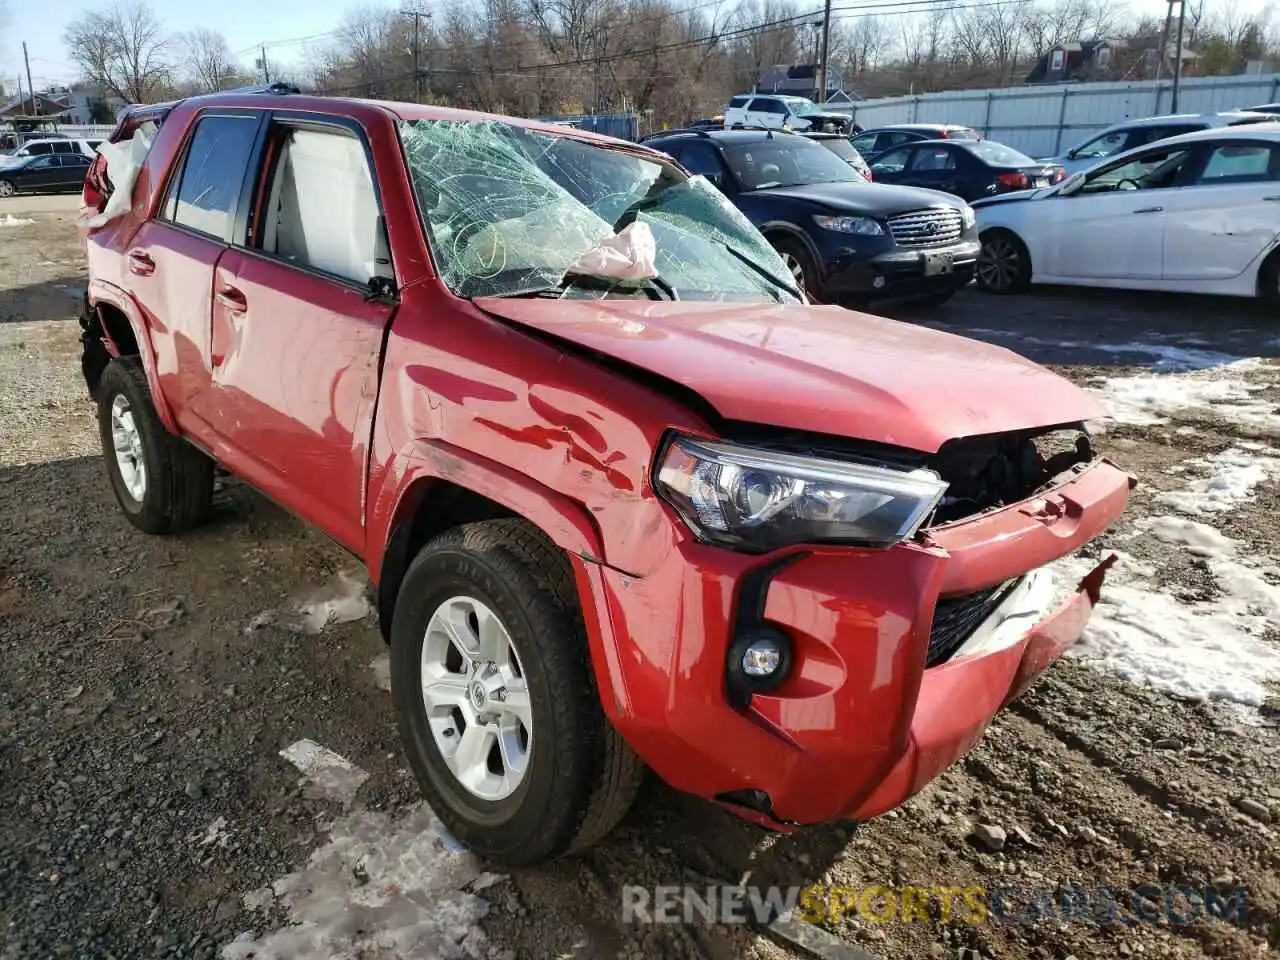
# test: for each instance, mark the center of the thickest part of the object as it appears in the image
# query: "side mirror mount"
(1071, 154)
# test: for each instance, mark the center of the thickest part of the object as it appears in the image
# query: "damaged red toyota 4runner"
(626, 498)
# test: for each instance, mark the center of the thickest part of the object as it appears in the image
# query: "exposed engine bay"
(992, 471)
(982, 472)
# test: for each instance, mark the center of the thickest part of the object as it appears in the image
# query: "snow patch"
(382, 886)
(344, 602)
(1213, 649)
(1199, 539)
(381, 667)
(1224, 391)
(1230, 480)
(328, 775)
(11, 221)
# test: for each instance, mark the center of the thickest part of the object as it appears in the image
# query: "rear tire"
(1004, 263)
(162, 483)
(553, 776)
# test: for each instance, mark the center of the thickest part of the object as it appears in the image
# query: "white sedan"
(1198, 213)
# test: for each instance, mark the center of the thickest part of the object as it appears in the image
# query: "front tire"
(7, 189)
(1269, 279)
(162, 483)
(496, 699)
(803, 271)
(1004, 263)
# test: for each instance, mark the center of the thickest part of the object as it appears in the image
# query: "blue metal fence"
(624, 126)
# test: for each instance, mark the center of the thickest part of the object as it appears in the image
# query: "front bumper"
(904, 272)
(860, 724)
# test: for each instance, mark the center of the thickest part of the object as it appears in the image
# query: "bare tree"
(209, 64)
(122, 49)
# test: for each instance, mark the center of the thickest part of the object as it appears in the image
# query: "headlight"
(860, 225)
(758, 500)
(970, 218)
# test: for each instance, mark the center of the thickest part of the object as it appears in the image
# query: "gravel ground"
(149, 685)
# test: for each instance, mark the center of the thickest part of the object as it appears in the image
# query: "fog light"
(762, 658)
(878, 282)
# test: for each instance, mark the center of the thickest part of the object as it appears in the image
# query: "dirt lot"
(148, 686)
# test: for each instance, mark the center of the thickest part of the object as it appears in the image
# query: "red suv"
(626, 498)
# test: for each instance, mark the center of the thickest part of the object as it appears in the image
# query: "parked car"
(838, 143)
(840, 237)
(872, 143)
(52, 145)
(1198, 213)
(775, 111)
(708, 123)
(51, 173)
(971, 169)
(608, 526)
(1131, 134)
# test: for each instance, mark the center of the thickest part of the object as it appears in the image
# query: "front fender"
(102, 293)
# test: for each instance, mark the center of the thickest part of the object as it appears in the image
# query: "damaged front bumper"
(860, 724)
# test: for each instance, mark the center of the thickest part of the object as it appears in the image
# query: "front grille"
(955, 619)
(927, 228)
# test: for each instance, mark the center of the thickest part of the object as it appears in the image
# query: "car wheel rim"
(6, 188)
(126, 442)
(998, 264)
(476, 698)
(796, 268)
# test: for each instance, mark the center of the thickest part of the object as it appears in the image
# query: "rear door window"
(322, 212)
(737, 102)
(1240, 163)
(206, 194)
(65, 146)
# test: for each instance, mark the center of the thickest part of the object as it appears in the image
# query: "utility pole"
(35, 104)
(1163, 52)
(418, 17)
(826, 51)
(1177, 53)
(266, 71)
(21, 99)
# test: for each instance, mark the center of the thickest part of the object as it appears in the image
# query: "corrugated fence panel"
(624, 126)
(1047, 120)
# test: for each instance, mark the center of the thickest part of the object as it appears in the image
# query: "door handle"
(1149, 210)
(233, 300)
(140, 263)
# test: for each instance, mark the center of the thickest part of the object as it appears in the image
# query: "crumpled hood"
(821, 369)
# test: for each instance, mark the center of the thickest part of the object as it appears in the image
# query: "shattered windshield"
(511, 211)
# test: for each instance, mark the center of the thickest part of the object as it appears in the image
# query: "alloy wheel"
(477, 701)
(998, 264)
(126, 442)
(6, 188)
(796, 268)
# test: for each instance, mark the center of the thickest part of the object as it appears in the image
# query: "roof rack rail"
(667, 133)
(278, 88)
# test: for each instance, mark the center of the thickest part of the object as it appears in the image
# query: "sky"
(245, 23)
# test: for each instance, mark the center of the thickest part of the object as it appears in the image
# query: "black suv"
(842, 237)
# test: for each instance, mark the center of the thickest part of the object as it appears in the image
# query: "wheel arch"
(1268, 274)
(1013, 234)
(445, 487)
(781, 230)
(112, 325)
